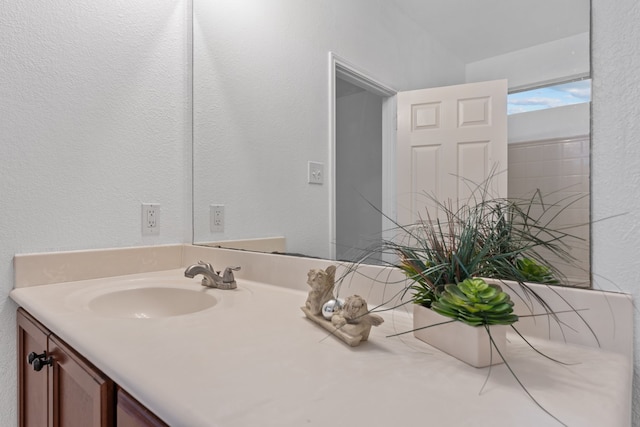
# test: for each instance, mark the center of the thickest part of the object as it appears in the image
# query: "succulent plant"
(475, 302)
(533, 271)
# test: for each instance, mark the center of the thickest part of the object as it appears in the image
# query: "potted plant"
(445, 258)
(473, 316)
(457, 262)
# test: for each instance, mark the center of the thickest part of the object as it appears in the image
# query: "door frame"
(341, 68)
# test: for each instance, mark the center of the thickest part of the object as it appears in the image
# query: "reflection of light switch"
(316, 173)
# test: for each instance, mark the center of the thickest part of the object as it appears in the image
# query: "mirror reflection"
(294, 105)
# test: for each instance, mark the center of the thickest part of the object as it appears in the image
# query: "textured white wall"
(261, 104)
(616, 154)
(92, 123)
(87, 120)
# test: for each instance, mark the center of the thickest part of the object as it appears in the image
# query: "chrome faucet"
(211, 278)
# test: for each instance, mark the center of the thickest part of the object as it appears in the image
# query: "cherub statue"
(354, 318)
(322, 283)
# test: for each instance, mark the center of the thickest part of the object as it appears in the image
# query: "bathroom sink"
(151, 302)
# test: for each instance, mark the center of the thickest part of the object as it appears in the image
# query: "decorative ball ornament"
(330, 307)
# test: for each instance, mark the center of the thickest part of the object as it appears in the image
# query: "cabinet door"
(130, 413)
(32, 385)
(81, 396)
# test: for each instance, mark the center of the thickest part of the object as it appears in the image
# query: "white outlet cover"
(150, 219)
(315, 173)
(216, 218)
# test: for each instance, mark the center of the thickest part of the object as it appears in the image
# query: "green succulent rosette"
(535, 272)
(475, 302)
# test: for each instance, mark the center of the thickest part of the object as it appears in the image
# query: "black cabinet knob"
(38, 364)
(33, 356)
(39, 361)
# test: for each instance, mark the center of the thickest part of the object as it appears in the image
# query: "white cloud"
(550, 97)
(582, 93)
(580, 89)
(541, 101)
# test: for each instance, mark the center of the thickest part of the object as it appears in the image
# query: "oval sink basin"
(146, 303)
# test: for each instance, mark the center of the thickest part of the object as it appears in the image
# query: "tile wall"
(559, 168)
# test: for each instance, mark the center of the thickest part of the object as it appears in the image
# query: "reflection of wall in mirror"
(272, 81)
(549, 151)
(261, 106)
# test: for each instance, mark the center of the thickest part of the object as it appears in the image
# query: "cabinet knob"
(39, 361)
(38, 364)
(33, 356)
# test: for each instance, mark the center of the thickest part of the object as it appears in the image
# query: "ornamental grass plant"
(444, 255)
(490, 237)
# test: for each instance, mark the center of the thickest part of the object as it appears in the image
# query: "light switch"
(316, 173)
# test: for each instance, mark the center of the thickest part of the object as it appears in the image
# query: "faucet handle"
(227, 277)
(206, 264)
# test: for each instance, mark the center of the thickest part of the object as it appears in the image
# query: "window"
(542, 98)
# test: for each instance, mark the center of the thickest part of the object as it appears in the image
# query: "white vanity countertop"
(255, 360)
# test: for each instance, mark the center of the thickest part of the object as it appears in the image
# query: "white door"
(450, 140)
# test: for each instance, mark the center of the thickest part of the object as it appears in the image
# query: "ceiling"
(478, 29)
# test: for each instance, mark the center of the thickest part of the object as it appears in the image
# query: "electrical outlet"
(150, 219)
(217, 218)
(315, 173)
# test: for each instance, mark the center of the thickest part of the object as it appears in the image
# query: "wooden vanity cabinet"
(33, 387)
(130, 413)
(56, 386)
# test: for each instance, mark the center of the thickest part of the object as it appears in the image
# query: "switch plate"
(150, 219)
(217, 218)
(315, 173)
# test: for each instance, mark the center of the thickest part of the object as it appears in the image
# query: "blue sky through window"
(549, 97)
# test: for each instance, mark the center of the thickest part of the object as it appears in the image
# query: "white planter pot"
(467, 343)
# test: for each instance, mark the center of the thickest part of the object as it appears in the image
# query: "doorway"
(363, 158)
(358, 169)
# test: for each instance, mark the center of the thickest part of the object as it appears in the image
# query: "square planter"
(471, 344)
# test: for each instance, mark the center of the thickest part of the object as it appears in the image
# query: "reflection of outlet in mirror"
(217, 218)
(150, 219)
(316, 173)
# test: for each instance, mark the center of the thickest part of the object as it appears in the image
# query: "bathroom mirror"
(262, 73)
